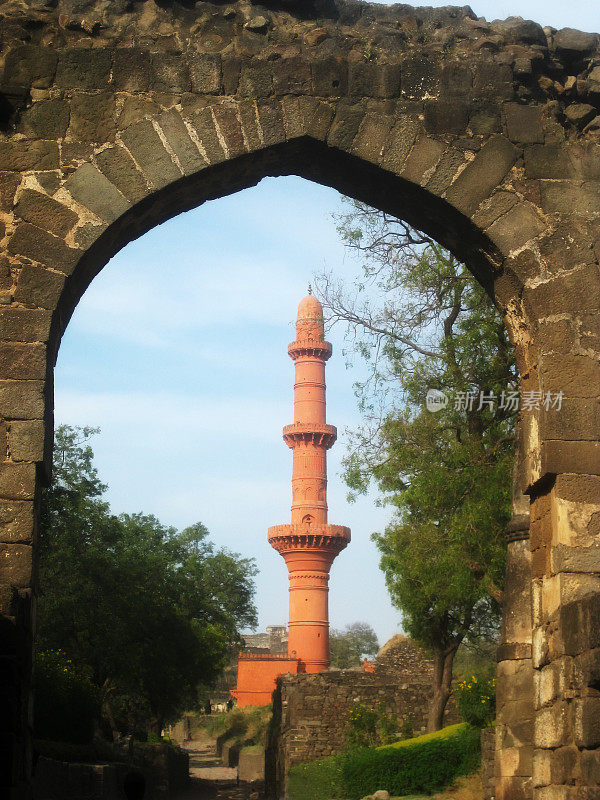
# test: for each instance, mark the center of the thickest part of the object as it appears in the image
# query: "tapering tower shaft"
(309, 470)
(309, 545)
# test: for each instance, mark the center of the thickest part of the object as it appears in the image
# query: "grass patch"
(214, 724)
(468, 787)
(317, 780)
(445, 733)
(248, 725)
(253, 748)
(422, 765)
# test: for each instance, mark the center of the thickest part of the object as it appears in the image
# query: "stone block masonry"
(488, 749)
(486, 135)
(166, 770)
(310, 713)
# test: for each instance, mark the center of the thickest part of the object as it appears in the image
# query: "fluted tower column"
(309, 545)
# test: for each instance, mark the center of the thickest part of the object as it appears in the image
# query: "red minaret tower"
(309, 545)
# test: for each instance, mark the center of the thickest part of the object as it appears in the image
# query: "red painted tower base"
(257, 675)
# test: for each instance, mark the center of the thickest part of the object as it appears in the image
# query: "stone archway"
(117, 116)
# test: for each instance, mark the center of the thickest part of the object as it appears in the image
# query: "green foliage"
(369, 726)
(214, 724)
(237, 723)
(422, 765)
(407, 729)
(67, 704)
(415, 766)
(458, 729)
(420, 321)
(246, 725)
(349, 647)
(475, 656)
(476, 700)
(317, 780)
(146, 611)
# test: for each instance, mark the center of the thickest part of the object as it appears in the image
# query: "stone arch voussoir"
(114, 117)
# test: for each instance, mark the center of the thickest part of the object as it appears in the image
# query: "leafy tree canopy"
(421, 322)
(146, 611)
(350, 646)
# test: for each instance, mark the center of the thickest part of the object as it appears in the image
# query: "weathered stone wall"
(404, 661)
(275, 640)
(514, 695)
(116, 116)
(565, 526)
(166, 770)
(488, 751)
(59, 780)
(311, 713)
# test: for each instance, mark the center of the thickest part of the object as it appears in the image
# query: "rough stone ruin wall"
(403, 660)
(311, 711)
(116, 116)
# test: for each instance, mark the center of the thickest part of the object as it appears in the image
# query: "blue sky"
(580, 14)
(178, 352)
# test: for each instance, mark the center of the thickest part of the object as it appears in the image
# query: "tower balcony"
(307, 537)
(318, 434)
(314, 348)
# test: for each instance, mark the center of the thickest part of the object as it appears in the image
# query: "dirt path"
(209, 779)
(204, 762)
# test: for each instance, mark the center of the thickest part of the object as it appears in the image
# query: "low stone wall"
(310, 714)
(59, 780)
(186, 728)
(165, 768)
(251, 768)
(488, 751)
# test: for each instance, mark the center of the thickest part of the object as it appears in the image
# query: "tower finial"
(309, 289)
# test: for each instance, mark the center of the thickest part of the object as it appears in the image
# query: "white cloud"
(171, 413)
(122, 306)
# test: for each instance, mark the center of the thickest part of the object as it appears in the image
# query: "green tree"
(347, 648)
(422, 322)
(147, 612)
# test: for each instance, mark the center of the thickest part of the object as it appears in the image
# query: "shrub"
(154, 738)
(247, 725)
(407, 729)
(259, 719)
(317, 780)
(214, 724)
(476, 700)
(414, 766)
(66, 702)
(421, 765)
(371, 725)
(237, 723)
